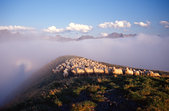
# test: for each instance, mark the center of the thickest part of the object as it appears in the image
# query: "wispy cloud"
(116, 24)
(165, 24)
(143, 24)
(15, 28)
(71, 27)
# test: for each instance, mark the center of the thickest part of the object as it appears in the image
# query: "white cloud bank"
(165, 24)
(142, 24)
(15, 28)
(116, 24)
(71, 27)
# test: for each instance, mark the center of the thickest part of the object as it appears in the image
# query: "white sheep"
(106, 70)
(65, 73)
(140, 72)
(128, 71)
(60, 67)
(74, 71)
(88, 70)
(156, 75)
(151, 73)
(117, 71)
(80, 71)
(136, 73)
(63, 64)
(82, 65)
(96, 70)
(68, 67)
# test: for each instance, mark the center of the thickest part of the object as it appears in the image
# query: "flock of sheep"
(79, 66)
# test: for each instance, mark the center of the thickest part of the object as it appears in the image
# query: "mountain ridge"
(7, 35)
(113, 35)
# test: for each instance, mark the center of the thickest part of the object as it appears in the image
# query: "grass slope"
(51, 92)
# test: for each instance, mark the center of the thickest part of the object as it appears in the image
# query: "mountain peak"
(119, 35)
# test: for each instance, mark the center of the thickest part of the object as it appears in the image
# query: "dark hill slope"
(41, 78)
(49, 92)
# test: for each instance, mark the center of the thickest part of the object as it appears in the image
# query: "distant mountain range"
(6, 35)
(119, 35)
(85, 37)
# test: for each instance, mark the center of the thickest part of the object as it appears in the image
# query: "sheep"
(74, 66)
(82, 65)
(98, 70)
(117, 71)
(101, 71)
(141, 72)
(156, 75)
(68, 67)
(152, 74)
(80, 71)
(60, 67)
(88, 70)
(136, 73)
(63, 64)
(54, 70)
(106, 70)
(65, 73)
(128, 71)
(67, 62)
(74, 71)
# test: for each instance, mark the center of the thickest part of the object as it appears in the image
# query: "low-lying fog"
(18, 59)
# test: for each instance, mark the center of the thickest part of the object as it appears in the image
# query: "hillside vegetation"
(51, 91)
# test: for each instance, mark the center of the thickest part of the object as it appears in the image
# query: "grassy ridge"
(101, 93)
(48, 91)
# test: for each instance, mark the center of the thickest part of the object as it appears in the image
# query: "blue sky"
(41, 14)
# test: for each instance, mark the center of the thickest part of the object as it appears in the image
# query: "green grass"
(86, 93)
(84, 106)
